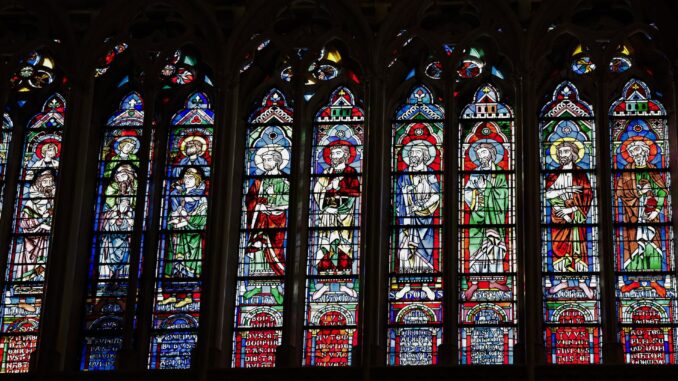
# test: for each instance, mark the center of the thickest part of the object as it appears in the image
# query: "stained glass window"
(36, 72)
(183, 224)
(29, 249)
(5, 140)
(179, 69)
(415, 308)
(569, 229)
(333, 260)
(643, 237)
(262, 257)
(486, 235)
(106, 62)
(581, 61)
(114, 226)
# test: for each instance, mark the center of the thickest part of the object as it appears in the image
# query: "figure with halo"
(267, 201)
(188, 216)
(125, 149)
(642, 193)
(46, 156)
(417, 201)
(335, 194)
(486, 195)
(192, 148)
(569, 193)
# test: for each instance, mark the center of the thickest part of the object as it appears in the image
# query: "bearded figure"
(569, 193)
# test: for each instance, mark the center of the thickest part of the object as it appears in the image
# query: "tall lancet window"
(333, 259)
(262, 257)
(30, 239)
(643, 236)
(487, 254)
(569, 229)
(115, 222)
(5, 140)
(415, 311)
(182, 230)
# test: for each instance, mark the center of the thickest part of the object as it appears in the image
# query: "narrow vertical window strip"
(114, 225)
(5, 140)
(487, 256)
(570, 262)
(183, 226)
(333, 260)
(643, 236)
(415, 311)
(262, 255)
(24, 285)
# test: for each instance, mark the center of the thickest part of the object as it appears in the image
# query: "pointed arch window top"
(274, 109)
(52, 114)
(197, 111)
(566, 103)
(131, 112)
(420, 105)
(342, 108)
(486, 105)
(636, 101)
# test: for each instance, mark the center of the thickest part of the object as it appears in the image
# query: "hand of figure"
(562, 212)
(576, 189)
(652, 215)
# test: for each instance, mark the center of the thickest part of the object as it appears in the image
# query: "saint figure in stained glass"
(267, 201)
(417, 202)
(184, 258)
(641, 195)
(335, 197)
(569, 193)
(118, 216)
(486, 195)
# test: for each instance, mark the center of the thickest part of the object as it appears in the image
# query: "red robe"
(273, 240)
(343, 199)
(562, 234)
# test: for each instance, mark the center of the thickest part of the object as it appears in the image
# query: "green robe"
(493, 210)
(637, 257)
(117, 160)
(186, 247)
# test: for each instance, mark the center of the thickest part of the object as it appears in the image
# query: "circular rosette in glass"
(36, 72)
(434, 70)
(179, 69)
(324, 72)
(620, 64)
(583, 65)
(470, 68)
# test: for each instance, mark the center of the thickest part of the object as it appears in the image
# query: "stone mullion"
(72, 217)
(214, 333)
(289, 352)
(376, 192)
